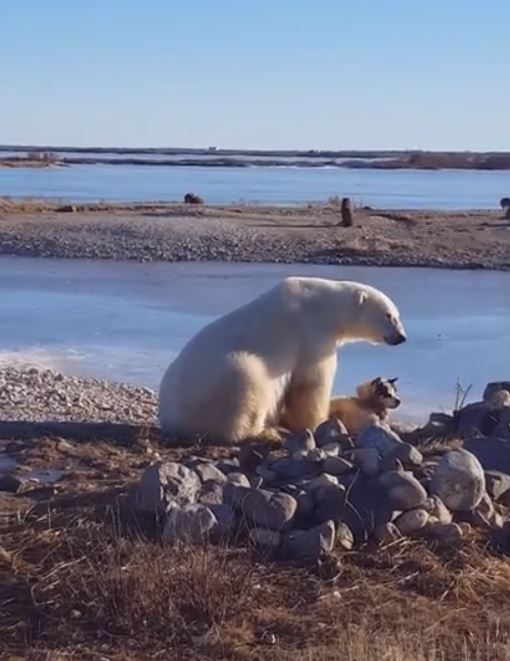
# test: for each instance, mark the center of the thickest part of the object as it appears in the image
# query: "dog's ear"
(393, 381)
(375, 381)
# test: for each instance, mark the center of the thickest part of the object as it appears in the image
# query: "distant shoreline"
(29, 156)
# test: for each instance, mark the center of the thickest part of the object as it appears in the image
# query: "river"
(395, 189)
(126, 321)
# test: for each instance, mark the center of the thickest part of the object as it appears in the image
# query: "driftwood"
(347, 212)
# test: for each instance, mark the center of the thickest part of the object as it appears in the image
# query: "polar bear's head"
(372, 317)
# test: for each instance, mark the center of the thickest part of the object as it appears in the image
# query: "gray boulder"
(386, 533)
(366, 506)
(190, 524)
(332, 431)
(239, 479)
(407, 454)
(337, 465)
(412, 521)
(459, 480)
(344, 537)
(206, 471)
(211, 493)
(263, 508)
(368, 460)
(446, 532)
(492, 388)
(474, 419)
(226, 520)
(163, 484)
(379, 437)
(265, 539)
(437, 509)
(497, 484)
(299, 441)
(492, 453)
(292, 468)
(227, 466)
(403, 489)
(329, 502)
(310, 544)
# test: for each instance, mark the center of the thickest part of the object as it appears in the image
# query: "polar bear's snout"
(398, 337)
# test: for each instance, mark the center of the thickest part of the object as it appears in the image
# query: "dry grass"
(81, 577)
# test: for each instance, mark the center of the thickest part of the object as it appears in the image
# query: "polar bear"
(272, 362)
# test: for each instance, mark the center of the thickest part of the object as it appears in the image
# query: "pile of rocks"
(320, 491)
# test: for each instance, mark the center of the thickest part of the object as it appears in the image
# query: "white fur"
(273, 360)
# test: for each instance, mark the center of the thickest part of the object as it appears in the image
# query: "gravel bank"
(256, 234)
(36, 395)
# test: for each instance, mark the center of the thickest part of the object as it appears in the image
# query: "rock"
(310, 544)
(291, 468)
(266, 473)
(225, 517)
(332, 449)
(193, 198)
(314, 456)
(211, 493)
(501, 428)
(329, 502)
(444, 420)
(239, 479)
(266, 539)
(465, 528)
(497, 484)
(387, 533)
(190, 523)
(366, 506)
(492, 453)
(10, 483)
(331, 431)
(484, 515)
(324, 479)
(299, 441)
(498, 400)
(459, 480)
(206, 471)
(336, 465)
(227, 466)
(407, 454)
(261, 507)
(163, 484)
(368, 460)
(427, 469)
(412, 521)
(67, 208)
(404, 490)
(493, 387)
(436, 508)
(344, 537)
(252, 455)
(378, 437)
(446, 532)
(472, 419)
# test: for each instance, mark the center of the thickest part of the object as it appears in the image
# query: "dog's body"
(371, 404)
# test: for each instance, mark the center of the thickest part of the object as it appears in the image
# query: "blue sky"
(432, 74)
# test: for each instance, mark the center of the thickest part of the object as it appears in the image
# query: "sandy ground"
(310, 234)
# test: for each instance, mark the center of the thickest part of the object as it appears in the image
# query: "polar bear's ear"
(361, 297)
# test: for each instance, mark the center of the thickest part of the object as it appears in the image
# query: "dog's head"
(381, 392)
